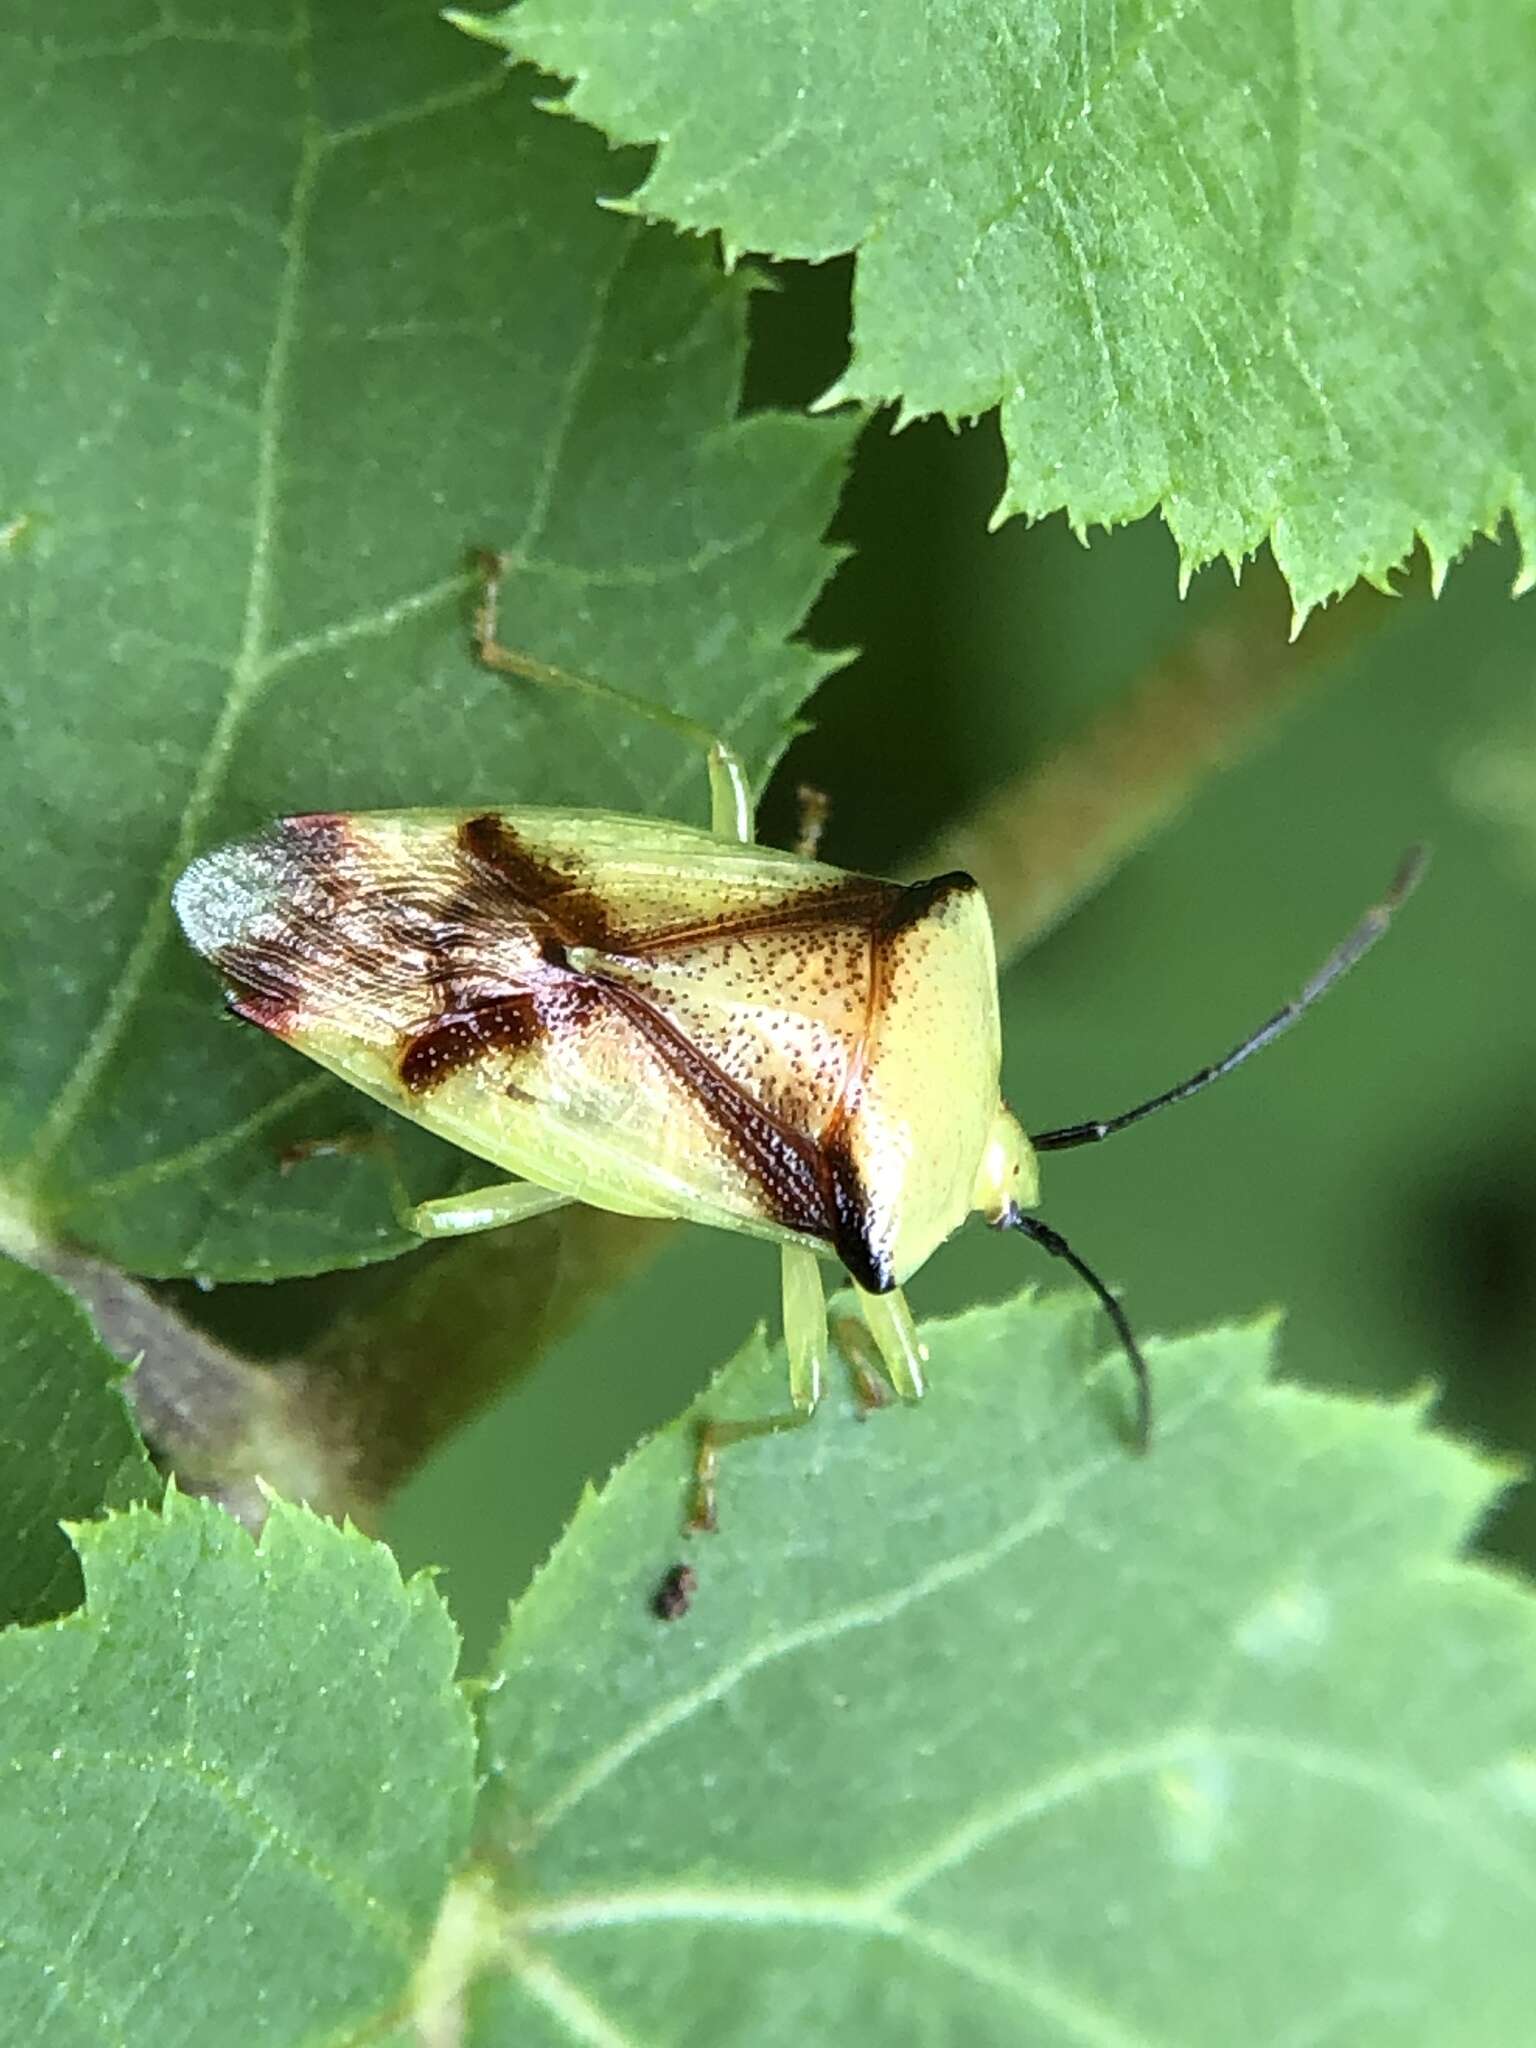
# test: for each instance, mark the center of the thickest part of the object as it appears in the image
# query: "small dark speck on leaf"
(674, 1596)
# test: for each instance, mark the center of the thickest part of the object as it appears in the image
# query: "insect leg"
(815, 808)
(730, 795)
(492, 1208)
(512, 1201)
(805, 1326)
(855, 1345)
(805, 1339)
(891, 1325)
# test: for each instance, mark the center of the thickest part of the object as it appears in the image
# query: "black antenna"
(1339, 962)
(1057, 1245)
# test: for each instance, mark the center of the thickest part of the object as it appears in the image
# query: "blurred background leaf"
(1277, 277)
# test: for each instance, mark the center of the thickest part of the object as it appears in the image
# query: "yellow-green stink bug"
(665, 1022)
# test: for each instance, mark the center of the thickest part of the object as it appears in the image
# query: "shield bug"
(668, 1022)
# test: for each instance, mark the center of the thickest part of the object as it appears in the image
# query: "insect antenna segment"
(1344, 956)
(1339, 961)
(1053, 1242)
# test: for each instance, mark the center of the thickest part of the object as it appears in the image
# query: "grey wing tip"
(228, 896)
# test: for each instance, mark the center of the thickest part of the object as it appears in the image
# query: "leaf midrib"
(246, 675)
(254, 666)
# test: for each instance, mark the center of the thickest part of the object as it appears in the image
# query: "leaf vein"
(1082, 2018)
(811, 1635)
(264, 1828)
(1040, 175)
(372, 625)
(79, 1994)
(106, 1890)
(244, 689)
(575, 2009)
(999, 1817)
(1090, 294)
(482, 86)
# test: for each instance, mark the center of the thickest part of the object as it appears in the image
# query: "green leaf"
(294, 319)
(234, 1787)
(979, 1728)
(68, 1447)
(1275, 273)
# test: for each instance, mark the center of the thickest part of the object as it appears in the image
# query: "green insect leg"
(493, 1208)
(805, 1339)
(730, 796)
(891, 1325)
(853, 1343)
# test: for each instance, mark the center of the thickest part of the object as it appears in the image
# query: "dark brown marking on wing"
(513, 1022)
(851, 1213)
(455, 1039)
(785, 1164)
(812, 1188)
(268, 1013)
(505, 883)
(868, 1262)
(915, 901)
(848, 1208)
(555, 897)
(265, 987)
(559, 899)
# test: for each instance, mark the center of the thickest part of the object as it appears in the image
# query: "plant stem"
(1055, 833)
